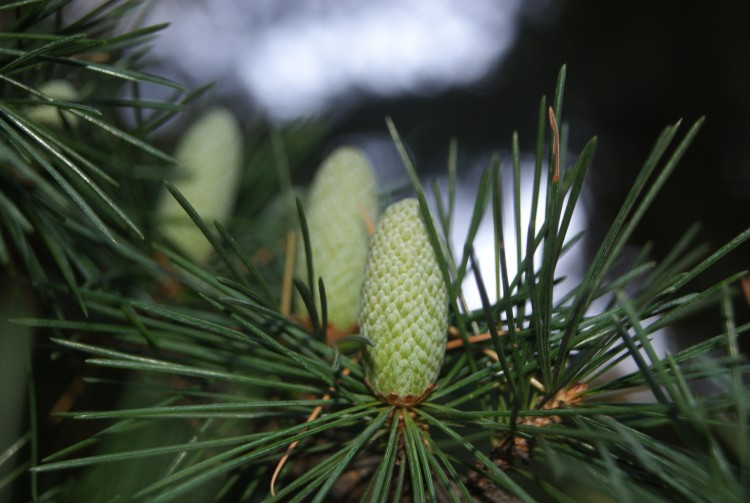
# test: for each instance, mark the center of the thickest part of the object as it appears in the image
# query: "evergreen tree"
(205, 383)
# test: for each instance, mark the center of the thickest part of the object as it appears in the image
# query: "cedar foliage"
(203, 382)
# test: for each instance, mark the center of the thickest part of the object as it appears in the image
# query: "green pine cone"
(49, 115)
(209, 158)
(404, 308)
(341, 208)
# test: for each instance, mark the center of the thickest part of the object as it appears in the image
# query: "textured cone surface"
(209, 159)
(49, 115)
(343, 202)
(404, 307)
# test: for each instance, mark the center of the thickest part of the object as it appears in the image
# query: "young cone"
(342, 206)
(209, 159)
(49, 115)
(404, 308)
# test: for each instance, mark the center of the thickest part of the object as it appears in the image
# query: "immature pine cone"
(209, 159)
(50, 115)
(342, 205)
(404, 307)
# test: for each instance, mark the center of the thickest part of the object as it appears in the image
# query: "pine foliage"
(212, 381)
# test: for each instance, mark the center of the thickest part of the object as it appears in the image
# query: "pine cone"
(50, 115)
(209, 159)
(404, 308)
(342, 206)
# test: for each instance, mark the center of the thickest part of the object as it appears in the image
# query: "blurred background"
(475, 71)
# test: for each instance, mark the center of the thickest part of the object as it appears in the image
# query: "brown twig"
(472, 339)
(491, 354)
(555, 145)
(286, 285)
(313, 415)
(369, 224)
(68, 398)
(745, 284)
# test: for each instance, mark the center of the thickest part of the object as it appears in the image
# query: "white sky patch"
(297, 58)
(570, 266)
